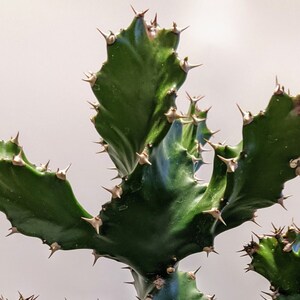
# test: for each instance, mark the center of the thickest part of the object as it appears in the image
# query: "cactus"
(160, 212)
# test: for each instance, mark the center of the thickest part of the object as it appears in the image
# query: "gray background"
(45, 47)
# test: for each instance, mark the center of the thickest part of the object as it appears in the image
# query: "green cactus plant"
(160, 212)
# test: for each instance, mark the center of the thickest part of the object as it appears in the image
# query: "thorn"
(18, 160)
(209, 297)
(54, 247)
(110, 38)
(231, 163)
(172, 115)
(281, 199)
(62, 174)
(139, 15)
(96, 222)
(192, 275)
(194, 100)
(159, 283)
(91, 78)
(289, 92)
(196, 179)
(199, 147)
(288, 247)
(294, 163)
(186, 67)
(259, 237)
(104, 149)
(214, 146)
(247, 116)
(129, 282)
(177, 30)
(253, 219)
(173, 91)
(215, 132)
(216, 214)
(96, 256)
(44, 167)
(278, 89)
(170, 270)
(116, 191)
(94, 106)
(196, 120)
(154, 22)
(127, 268)
(15, 140)
(13, 230)
(209, 249)
(143, 158)
(249, 268)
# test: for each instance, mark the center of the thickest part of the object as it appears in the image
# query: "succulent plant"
(160, 212)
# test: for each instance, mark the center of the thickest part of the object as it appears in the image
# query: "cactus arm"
(277, 258)
(135, 88)
(270, 142)
(40, 204)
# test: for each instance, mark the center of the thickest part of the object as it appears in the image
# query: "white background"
(44, 48)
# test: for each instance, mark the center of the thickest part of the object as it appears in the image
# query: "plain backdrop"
(45, 46)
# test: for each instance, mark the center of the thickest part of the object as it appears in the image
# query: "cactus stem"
(96, 256)
(18, 160)
(110, 38)
(91, 78)
(13, 230)
(186, 67)
(62, 174)
(53, 248)
(15, 140)
(216, 214)
(172, 115)
(96, 222)
(230, 163)
(116, 191)
(143, 158)
(177, 30)
(247, 116)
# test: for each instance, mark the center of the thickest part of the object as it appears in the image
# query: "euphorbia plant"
(160, 212)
